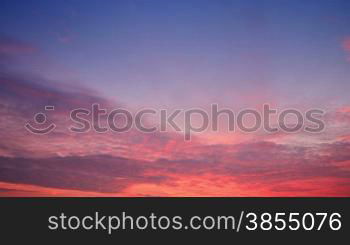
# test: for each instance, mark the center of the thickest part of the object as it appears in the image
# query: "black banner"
(147, 220)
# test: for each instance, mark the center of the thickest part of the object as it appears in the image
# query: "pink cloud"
(12, 46)
(346, 44)
(346, 47)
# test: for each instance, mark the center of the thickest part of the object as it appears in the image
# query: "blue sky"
(199, 49)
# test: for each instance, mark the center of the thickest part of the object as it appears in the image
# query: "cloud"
(346, 46)
(89, 173)
(157, 164)
(13, 46)
(34, 91)
(260, 168)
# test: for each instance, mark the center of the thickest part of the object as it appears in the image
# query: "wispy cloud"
(14, 46)
(346, 46)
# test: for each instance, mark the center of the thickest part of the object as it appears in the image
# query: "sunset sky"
(174, 55)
